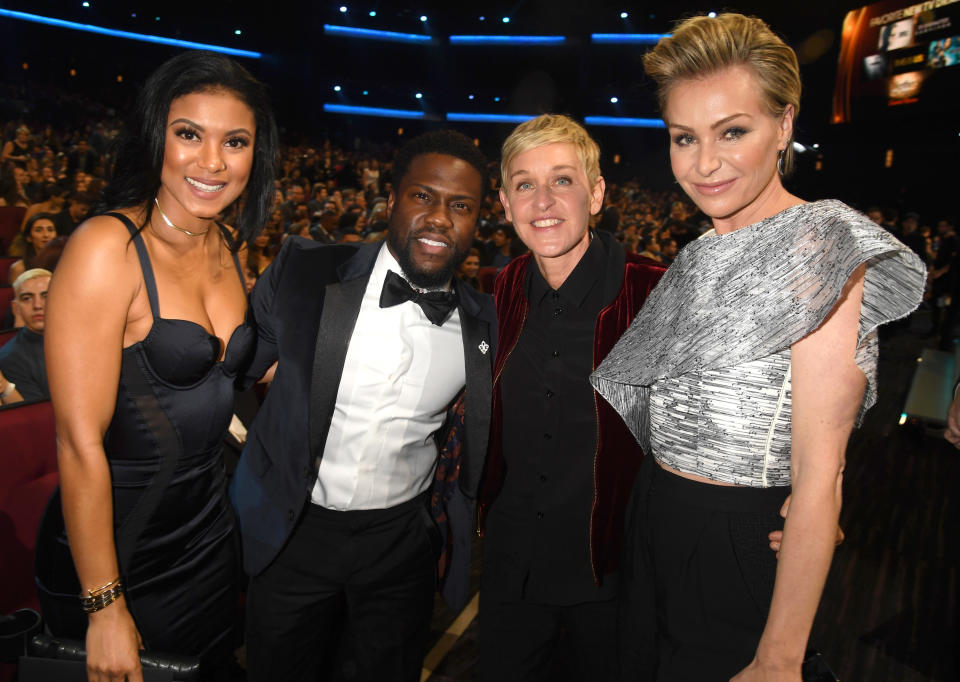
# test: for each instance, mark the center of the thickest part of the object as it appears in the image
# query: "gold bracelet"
(102, 597)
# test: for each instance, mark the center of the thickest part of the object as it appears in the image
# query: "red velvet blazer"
(617, 456)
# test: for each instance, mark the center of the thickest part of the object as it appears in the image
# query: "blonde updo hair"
(701, 46)
(550, 129)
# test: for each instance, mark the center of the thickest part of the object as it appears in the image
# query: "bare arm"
(12, 396)
(827, 390)
(86, 318)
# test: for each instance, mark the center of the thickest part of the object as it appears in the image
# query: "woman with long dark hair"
(36, 234)
(142, 356)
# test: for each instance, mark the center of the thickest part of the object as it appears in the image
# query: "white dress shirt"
(400, 374)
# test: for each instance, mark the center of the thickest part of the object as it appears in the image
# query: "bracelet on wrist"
(100, 598)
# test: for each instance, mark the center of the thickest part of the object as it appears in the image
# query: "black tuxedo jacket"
(304, 308)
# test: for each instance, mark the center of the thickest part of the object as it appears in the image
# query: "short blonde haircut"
(551, 129)
(28, 275)
(701, 46)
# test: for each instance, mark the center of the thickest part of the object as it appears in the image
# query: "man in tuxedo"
(373, 345)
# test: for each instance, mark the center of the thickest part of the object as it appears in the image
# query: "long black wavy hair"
(139, 152)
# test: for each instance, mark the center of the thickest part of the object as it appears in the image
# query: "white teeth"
(206, 188)
(550, 222)
(430, 242)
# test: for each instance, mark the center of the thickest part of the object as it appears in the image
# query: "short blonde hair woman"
(745, 371)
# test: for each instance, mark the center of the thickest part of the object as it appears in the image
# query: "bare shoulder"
(100, 245)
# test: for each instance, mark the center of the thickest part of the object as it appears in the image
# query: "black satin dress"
(174, 527)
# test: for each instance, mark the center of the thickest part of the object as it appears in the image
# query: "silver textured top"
(702, 376)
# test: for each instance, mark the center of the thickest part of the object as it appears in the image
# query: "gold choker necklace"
(169, 224)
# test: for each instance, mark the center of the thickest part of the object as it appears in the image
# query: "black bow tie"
(436, 305)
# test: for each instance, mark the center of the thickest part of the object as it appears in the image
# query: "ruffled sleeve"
(738, 297)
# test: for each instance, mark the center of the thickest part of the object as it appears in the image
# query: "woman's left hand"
(757, 672)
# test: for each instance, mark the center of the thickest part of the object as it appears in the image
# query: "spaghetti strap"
(145, 266)
(236, 258)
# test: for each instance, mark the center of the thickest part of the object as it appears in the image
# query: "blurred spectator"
(21, 358)
(19, 149)
(503, 238)
(467, 272)
(37, 232)
(76, 211)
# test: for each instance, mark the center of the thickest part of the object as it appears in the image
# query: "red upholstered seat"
(11, 217)
(28, 460)
(6, 298)
(5, 263)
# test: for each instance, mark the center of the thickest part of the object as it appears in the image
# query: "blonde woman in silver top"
(745, 371)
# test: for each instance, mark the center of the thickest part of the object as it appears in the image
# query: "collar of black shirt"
(579, 283)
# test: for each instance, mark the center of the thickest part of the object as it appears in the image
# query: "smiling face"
(470, 267)
(41, 232)
(207, 156)
(724, 145)
(549, 200)
(433, 217)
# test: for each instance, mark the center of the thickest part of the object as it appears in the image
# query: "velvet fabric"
(627, 282)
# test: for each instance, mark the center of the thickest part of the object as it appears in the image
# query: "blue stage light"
(366, 92)
(614, 100)
(506, 20)
(623, 122)
(419, 95)
(628, 38)
(624, 15)
(237, 32)
(470, 97)
(489, 118)
(143, 37)
(371, 111)
(372, 13)
(497, 98)
(373, 34)
(337, 88)
(507, 40)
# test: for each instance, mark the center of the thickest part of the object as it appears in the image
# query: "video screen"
(897, 54)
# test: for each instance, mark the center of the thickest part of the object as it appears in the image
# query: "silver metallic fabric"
(701, 377)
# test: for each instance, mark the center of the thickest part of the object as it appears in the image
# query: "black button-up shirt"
(538, 532)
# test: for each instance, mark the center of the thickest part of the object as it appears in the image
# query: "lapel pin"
(484, 347)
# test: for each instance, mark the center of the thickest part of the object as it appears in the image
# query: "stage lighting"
(86, 4)
(372, 13)
(469, 96)
(337, 88)
(496, 99)
(419, 95)
(624, 15)
(237, 32)
(712, 15)
(423, 17)
(506, 20)
(366, 92)
(343, 8)
(614, 100)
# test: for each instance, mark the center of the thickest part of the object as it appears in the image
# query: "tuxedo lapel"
(341, 307)
(478, 351)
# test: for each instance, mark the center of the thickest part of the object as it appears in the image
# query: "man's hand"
(776, 537)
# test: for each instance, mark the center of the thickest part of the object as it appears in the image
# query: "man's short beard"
(418, 277)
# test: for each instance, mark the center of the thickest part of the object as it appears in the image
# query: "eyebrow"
(201, 128)
(712, 127)
(434, 190)
(562, 166)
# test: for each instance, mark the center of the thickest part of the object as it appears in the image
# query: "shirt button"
(543, 479)
(540, 516)
(556, 354)
(556, 294)
(547, 436)
(557, 311)
(549, 393)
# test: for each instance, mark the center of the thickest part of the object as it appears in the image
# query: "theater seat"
(10, 219)
(6, 298)
(28, 460)
(5, 263)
